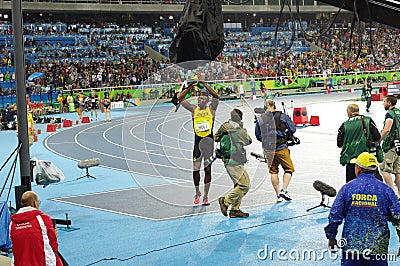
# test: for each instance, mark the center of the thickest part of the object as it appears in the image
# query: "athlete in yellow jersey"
(203, 121)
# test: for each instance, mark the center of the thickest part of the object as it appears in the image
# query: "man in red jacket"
(33, 237)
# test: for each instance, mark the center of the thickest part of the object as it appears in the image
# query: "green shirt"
(387, 142)
(355, 141)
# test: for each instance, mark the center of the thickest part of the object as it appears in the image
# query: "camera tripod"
(321, 204)
(86, 175)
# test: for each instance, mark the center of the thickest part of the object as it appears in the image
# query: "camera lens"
(397, 146)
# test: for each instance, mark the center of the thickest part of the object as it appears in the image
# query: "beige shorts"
(391, 162)
(282, 157)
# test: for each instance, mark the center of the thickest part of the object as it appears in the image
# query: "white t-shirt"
(241, 89)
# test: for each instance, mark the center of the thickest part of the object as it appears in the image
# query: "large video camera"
(397, 145)
(292, 140)
(218, 154)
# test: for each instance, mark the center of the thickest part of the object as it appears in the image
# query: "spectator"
(34, 239)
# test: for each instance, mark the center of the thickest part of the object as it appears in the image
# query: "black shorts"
(203, 148)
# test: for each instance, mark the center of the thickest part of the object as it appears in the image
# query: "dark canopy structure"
(382, 11)
(200, 32)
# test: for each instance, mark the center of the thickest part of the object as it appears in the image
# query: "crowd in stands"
(333, 55)
(91, 56)
(385, 43)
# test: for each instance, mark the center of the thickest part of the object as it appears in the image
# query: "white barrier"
(117, 105)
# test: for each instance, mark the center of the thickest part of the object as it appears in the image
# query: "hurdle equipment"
(67, 123)
(314, 120)
(86, 164)
(384, 91)
(85, 120)
(51, 128)
(377, 97)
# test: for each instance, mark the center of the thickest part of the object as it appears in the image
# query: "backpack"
(232, 149)
(271, 124)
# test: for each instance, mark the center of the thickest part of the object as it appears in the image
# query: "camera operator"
(352, 138)
(389, 135)
(272, 129)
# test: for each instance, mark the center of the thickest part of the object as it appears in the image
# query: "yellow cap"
(366, 161)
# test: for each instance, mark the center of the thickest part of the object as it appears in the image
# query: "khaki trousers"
(241, 182)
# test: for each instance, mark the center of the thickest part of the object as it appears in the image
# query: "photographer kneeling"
(273, 129)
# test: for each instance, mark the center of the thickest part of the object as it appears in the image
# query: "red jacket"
(33, 237)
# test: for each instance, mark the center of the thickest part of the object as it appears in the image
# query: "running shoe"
(284, 194)
(279, 199)
(197, 199)
(205, 201)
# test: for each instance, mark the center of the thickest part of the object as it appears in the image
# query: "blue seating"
(7, 85)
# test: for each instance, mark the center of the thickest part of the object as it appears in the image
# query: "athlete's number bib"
(202, 126)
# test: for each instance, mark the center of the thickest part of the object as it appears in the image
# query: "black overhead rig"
(384, 11)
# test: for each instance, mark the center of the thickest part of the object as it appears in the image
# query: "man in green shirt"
(352, 139)
(390, 132)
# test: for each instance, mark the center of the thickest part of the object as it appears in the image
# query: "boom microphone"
(259, 110)
(324, 188)
(259, 157)
(88, 163)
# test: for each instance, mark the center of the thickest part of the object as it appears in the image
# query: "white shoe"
(285, 195)
(279, 199)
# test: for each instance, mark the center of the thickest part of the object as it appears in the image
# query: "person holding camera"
(366, 205)
(272, 129)
(233, 132)
(353, 137)
(33, 236)
(390, 135)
